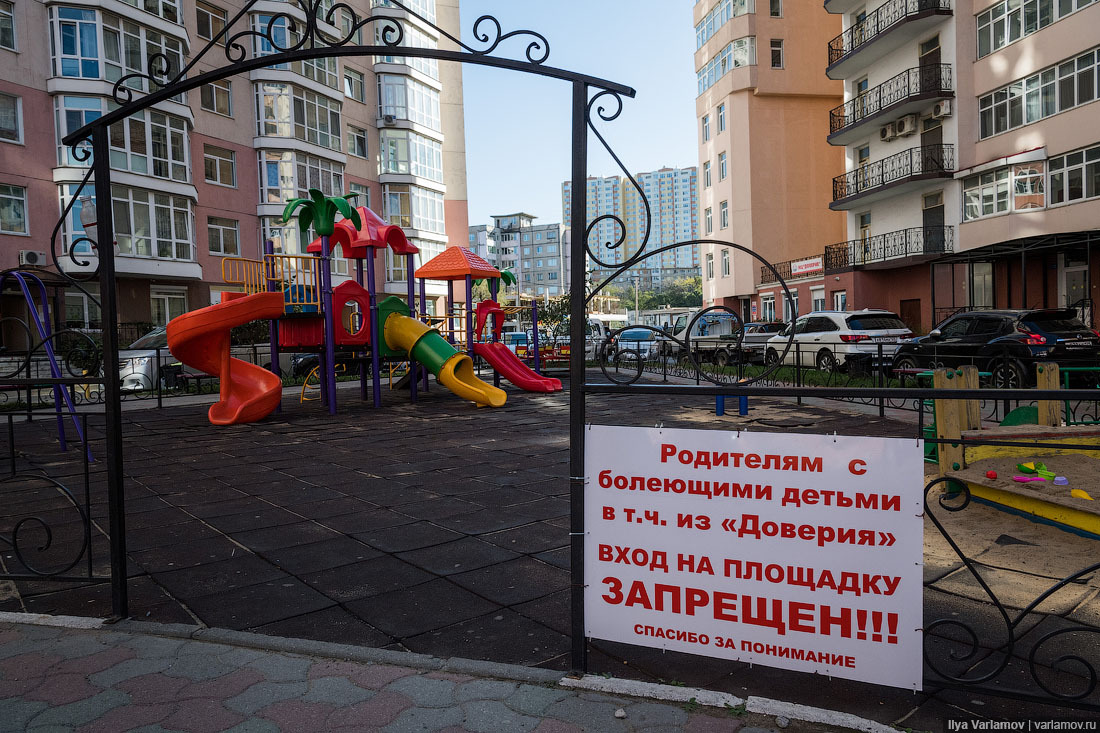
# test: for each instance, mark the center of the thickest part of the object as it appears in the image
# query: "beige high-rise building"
(765, 169)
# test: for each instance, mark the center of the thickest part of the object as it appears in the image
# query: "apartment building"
(207, 174)
(967, 130)
(672, 196)
(535, 253)
(764, 168)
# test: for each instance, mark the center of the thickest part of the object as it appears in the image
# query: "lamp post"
(637, 280)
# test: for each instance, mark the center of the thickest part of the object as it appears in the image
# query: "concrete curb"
(330, 650)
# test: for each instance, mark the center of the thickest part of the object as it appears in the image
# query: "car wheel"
(1007, 373)
(771, 357)
(721, 358)
(905, 362)
(826, 361)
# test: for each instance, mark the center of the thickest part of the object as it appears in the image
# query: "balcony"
(783, 268)
(907, 92)
(894, 249)
(890, 176)
(888, 27)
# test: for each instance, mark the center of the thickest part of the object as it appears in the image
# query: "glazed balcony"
(889, 27)
(900, 95)
(907, 170)
(902, 248)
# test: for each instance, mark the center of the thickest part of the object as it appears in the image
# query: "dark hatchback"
(1006, 343)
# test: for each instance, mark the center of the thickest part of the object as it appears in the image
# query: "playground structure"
(308, 314)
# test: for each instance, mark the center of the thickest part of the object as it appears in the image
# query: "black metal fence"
(880, 21)
(910, 242)
(918, 82)
(922, 161)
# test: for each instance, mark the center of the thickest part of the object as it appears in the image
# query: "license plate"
(885, 339)
(1078, 344)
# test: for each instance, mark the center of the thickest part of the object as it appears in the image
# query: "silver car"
(141, 363)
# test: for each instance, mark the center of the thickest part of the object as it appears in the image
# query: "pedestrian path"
(78, 674)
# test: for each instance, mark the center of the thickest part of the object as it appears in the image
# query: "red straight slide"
(501, 358)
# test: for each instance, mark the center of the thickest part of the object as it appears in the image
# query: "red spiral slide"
(200, 339)
(501, 358)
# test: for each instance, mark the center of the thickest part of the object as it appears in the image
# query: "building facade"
(967, 126)
(535, 253)
(672, 197)
(207, 174)
(764, 169)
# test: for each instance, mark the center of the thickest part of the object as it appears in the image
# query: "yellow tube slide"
(454, 370)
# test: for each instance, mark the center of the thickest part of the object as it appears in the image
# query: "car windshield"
(636, 334)
(156, 339)
(1057, 321)
(875, 322)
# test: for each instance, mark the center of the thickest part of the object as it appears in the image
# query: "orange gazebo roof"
(455, 263)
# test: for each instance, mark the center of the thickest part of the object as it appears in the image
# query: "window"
(404, 151)
(723, 10)
(986, 194)
(408, 99)
(13, 210)
(411, 37)
(1010, 20)
(167, 304)
(413, 207)
(151, 143)
(741, 52)
(217, 97)
(721, 118)
(357, 141)
(346, 20)
(285, 175)
(224, 236)
(289, 111)
(7, 25)
(354, 86)
(776, 9)
(11, 119)
(710, 265)
(817, 299)
(767, 308)
(706, 174)
(70, 114)
(777, 53)
(210, 21)
(81, 310)
(722, 167)
(790, 306)
(1028, 186)
(708, 223)
(840, 300)
(363, 198)
(981, 276)
(152, 224)
(723, 216)
(725, 262)
(273, 34)
(1055, 89)
(167, 9)
(219, 166)
(706, 128)
(1075, 176)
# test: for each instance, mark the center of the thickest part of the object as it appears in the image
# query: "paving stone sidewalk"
(95, 680)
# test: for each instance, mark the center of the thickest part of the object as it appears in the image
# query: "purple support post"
(330, 324)
(535, 332)
(494, 286)
(450, 311)
(362, 364)
(469, 315)
(375, 341)
(424, 317)
(272, 287)
(413, 376)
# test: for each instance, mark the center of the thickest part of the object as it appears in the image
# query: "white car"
(831, 340)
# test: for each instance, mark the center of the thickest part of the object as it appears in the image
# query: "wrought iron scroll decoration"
(44, 526)
(956, 498)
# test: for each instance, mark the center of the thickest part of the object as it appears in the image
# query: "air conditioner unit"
(906, 125)
(941, 109)
(888, 132)
(389, 119)
(32, 258)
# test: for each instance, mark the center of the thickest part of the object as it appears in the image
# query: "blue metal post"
(375, 340)
(330, 324)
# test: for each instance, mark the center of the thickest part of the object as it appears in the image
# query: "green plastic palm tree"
(320, 212)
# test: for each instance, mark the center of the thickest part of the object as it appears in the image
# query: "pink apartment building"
(206, 176)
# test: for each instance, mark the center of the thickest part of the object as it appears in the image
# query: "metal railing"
(925, 160)
(915, 82)
(888, 246)
(783, 268)
(878, 22)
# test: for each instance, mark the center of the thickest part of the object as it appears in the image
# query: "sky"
(518, 149)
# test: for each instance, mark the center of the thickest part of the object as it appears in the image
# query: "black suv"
(1006, 343)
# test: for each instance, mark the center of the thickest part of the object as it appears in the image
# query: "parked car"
(640, 341)
(755, 341)
(849, 340)
(720, 337)
(1005, 343)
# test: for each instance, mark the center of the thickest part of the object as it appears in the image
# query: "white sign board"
(802, 552)
(805, 266)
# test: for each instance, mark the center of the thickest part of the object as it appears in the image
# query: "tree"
(682, 293)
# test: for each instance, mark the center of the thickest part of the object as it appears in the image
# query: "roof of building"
(455, 263)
